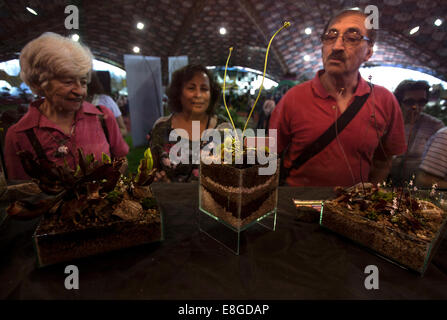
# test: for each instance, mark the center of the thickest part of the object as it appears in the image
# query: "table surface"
(300, 260)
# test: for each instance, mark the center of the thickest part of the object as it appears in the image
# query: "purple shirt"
(87, 134)
(105, 100)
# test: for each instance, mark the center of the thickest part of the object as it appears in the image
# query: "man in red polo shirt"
(363, 150)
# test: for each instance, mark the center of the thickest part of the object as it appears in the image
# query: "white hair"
(52, 55)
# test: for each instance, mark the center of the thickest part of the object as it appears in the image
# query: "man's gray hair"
(371, 33)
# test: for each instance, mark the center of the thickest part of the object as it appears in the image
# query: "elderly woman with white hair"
(56, 125)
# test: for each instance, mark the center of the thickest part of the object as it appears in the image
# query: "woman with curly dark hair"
(192, 97)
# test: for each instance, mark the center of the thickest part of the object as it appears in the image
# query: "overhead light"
(31, 10)
(75, 37)
(140, 25)
(414, 30)
(308, 31)
(222, 31)
(306, 57)
(136, 49)
(438, 22)
(375, 47)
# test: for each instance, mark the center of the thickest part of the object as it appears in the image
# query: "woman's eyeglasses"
(350, 38)
(412, 102)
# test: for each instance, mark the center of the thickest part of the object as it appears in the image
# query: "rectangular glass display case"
(55, 245)
(232, 198)
(407, 247)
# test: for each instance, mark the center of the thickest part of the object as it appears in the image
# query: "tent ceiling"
(191, 27)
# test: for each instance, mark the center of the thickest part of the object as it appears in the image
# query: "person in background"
(123, 104)
(98, 96)
(55, 126)
(192, 96)
(363, 150)
(264, 117)
(419, 127)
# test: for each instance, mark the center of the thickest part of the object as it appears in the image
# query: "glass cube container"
(405, 249)
(57, 246)
(237, 197)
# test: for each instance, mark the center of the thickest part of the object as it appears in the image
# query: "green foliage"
(114, 196)
(372, 215)
(380, 195)
(239, 120)
(135, 155)
(148, 203)
(240, 102)
(106, 158)
(438, 111)
(145, 168)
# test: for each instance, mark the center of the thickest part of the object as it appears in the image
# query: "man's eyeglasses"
(412, 102)
(350, 38)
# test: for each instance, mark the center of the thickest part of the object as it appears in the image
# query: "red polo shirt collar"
(320, 91)
(35, 119)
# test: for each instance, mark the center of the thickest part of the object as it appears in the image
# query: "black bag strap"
(103, 124)
(35, 143)
(329, 135)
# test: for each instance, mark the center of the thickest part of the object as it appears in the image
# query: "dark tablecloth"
(299, 260)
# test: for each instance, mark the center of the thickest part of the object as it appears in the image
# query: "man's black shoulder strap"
(103, 124)
(335, 129)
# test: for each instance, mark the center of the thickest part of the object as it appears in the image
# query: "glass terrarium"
(237, 197)
(87, 211)
(401, 226)
(89, 233)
